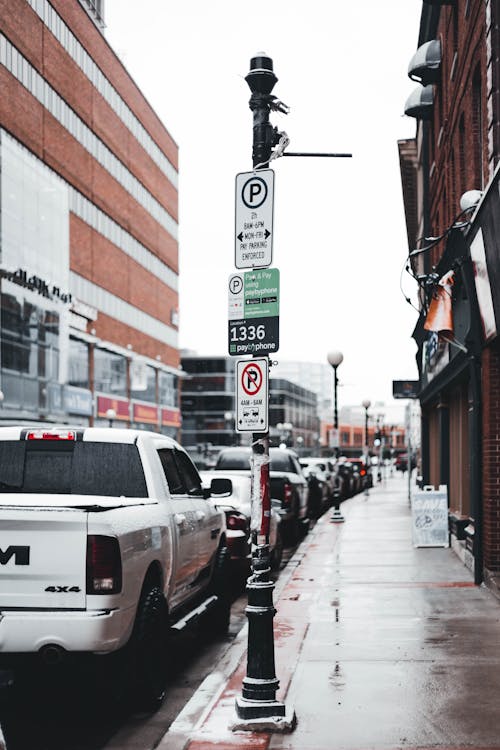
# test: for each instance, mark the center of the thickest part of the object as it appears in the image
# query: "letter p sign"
(254, 192)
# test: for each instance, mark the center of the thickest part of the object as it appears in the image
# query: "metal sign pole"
(257, 707)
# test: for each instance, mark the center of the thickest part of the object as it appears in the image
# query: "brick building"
(89, 253)
(454, 253)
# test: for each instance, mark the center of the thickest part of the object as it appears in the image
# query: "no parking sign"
(252, 384)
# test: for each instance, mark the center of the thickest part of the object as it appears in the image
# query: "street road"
(48, 718)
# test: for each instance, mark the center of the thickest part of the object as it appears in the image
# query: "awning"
(426, 62)
(420, 102)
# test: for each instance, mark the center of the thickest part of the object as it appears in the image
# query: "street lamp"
(335, 359)
(258, 703)
(380, 443)
(110, 415)
(228, 419)
(366, 403)
(285, 429)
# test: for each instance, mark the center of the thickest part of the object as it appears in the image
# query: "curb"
(195, 712)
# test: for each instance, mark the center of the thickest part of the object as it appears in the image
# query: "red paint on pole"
(266, 501)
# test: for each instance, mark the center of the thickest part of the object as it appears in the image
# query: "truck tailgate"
(43, 557)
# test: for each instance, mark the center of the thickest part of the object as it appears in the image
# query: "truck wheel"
(150, 649)
(220, 615)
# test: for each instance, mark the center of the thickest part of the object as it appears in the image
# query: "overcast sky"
(339, 231)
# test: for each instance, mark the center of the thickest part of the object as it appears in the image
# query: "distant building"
(88, 228)
(384, 421)
(315, 376)
(208, 406)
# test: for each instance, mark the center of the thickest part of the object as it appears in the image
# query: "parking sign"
(254, 219)
(252, 402)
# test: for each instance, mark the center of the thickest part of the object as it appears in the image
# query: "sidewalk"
(378, 645)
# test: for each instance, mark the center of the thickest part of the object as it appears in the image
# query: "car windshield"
(233, 459)
(280, 461)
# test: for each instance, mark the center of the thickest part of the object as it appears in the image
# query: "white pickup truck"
(108, 540)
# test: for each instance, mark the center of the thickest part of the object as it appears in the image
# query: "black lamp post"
(257, 707)
(335, 358)
(366, 404)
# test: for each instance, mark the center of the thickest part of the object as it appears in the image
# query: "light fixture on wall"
(470, 199)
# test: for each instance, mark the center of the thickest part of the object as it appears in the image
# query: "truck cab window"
(189, 473)
(172, 475)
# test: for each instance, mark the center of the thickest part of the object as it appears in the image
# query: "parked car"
(320, 492)
(401, 462)
(287, 484)
(364, 471)
(330, 471)
(349, 480)
(237, 507)
(110, 543)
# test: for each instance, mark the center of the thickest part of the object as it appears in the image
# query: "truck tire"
(220, 615)
(150, 651)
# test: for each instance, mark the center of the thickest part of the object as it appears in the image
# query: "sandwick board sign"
(429, 512)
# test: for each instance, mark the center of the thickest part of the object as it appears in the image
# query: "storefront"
(449, 349)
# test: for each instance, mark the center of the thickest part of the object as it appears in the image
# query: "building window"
(78, 364)
(477, 129)
(453, 184)
(29, 351)
(110, 372)
(461, 154)
(144, 388)
(168, 389)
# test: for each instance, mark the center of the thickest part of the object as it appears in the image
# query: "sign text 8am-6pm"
(253, 326)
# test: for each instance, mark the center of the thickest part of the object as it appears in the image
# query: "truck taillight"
(236, 522)
(104, 565)
(287, 494)
(52, 435)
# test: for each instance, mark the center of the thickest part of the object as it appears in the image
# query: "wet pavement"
(377, 645)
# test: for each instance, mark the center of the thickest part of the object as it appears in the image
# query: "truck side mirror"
(221, 487)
